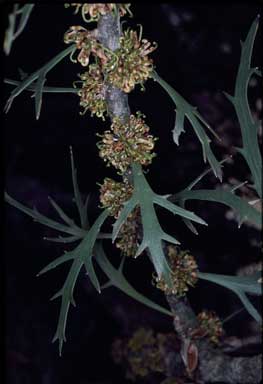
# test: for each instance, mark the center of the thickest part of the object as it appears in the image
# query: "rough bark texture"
(213, 365)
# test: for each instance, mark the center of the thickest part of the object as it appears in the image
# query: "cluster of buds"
(113, 194)
(183, 275)
(99, 9)
(88, 44)
(140, 354)
(92, 93)
(133, 65)
(211, 325)
(127, 143)
(128, 240)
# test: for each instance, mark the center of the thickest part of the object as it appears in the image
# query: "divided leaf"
(153, 234)
(118, 280)
(72, 230)
(249, 127)
(184, 109)
(32, 87)
(39, 76)
(81, 255)
(240, 285)
(82, 208)
(12, 32)
(244, 210)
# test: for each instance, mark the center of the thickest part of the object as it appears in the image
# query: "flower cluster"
(92, 93)
(88, 44)
(140, 354)
(184, 272)
(133, 65)
(128, 240)
(99, 9)
(211, 325)
(127, 143)
(113, 194)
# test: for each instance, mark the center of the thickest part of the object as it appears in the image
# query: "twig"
(213, 365)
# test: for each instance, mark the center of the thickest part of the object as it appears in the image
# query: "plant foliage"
(153, 235)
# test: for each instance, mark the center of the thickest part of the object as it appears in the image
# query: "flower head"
(184, 272)
(128, 238)
(113, 194)
(127, 143)
(87, 42)
(98, 9)
(140, 354)
(133, 65)
(211, 325)
(92, 93)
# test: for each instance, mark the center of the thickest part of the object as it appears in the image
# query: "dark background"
(198, 54)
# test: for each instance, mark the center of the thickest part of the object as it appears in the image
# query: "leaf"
(181, 202)
(34, 76)
(243, 209)
(240, 285)
(63, 239)
(118, 280)
(81, 255)
(26, 11)
(249, 127)
(82, 208)
(38, 94)
(184, 109)
(41, 218)
(11, 34)
(45, 89)
(153, 235)
(61, 213)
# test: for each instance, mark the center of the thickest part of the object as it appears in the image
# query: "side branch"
(213, 365)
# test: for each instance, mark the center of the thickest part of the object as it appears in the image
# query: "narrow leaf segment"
(240, 285)
(81, 255)
(249, 127)
(153, 235)
(118, 280)
(39, 77)
(186, 110)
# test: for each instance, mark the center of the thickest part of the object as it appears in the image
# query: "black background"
(193, 56)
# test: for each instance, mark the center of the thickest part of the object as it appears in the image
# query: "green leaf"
(43, 219)
(240, 285)
(118, 280)
(244, 210)
(81, 255)
(82, 208)
(38, 94)
(63, 239)
(184, 109)
(181, 202)
(11, 34)
(249, 127)
(61, 213)
(153, 235)
(45, 89)
(34, 76)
